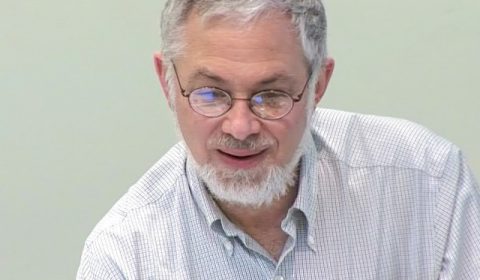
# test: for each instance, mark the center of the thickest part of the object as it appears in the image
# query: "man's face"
(242, 60)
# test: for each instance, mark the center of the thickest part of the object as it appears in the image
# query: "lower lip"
(241, 162)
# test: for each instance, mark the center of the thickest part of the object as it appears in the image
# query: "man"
(265, 186)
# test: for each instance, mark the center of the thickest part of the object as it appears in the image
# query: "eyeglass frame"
(294, 99)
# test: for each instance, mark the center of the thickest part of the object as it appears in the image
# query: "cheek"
(196, 131)
(292, 134)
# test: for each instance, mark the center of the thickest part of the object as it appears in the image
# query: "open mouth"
(241, 158)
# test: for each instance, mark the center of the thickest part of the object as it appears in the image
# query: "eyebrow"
(205, 73)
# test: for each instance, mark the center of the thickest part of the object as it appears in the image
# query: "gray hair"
(308, 18)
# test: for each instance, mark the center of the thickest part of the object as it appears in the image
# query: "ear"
(161, 70)
(324, 79)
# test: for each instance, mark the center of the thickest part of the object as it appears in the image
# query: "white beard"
(252, 187)
(257, 186)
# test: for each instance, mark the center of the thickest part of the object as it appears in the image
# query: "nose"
(240, 122)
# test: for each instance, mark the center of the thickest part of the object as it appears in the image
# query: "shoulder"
(136, 232)
(150, 195)
(123, 239)
(360, 140)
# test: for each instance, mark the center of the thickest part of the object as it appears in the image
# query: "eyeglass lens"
(213, 102)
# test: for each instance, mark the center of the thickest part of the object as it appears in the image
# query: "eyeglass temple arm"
(299, 97)
(182, 90)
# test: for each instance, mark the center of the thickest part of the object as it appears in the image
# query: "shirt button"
(311, 240)
(278, 277)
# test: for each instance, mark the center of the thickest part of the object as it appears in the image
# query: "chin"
(252, 187)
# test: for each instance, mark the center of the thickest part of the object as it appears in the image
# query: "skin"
(243, 60)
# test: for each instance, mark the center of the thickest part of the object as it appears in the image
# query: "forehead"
(266, 43)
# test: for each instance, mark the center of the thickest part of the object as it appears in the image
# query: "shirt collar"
(306, 201)
(202, 198)
(215, 218)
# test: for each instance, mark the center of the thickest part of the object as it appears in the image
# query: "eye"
(209, 101)
(271, 104)
(271, 99)
(207, 95)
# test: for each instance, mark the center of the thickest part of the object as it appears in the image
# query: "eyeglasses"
(213, 102)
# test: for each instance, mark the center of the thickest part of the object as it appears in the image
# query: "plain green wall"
(82, 116)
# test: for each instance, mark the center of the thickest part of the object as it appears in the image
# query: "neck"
(263, 223)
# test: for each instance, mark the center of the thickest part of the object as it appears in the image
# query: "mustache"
(252, 142)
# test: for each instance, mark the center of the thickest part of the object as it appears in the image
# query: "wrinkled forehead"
(269, 33)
